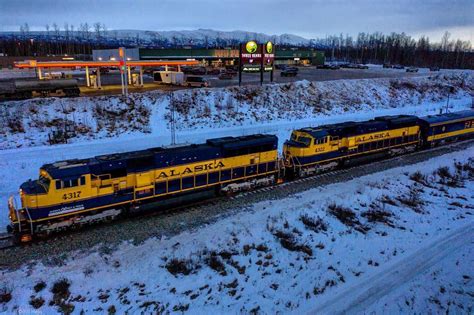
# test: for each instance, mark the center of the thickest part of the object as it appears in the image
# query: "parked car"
(226, 76)
(231, 72)
(289, 73)
(195, 81)
(328, 66)
(412, 69)
(214, 71)
(199, 71)
(187, 69)
(354, 66)
(434, 68)
(398, 67)
(292, 69)
(231, 68)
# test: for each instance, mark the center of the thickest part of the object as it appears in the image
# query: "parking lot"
(111, 82)
(304, 73)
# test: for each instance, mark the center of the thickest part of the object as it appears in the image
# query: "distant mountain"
(210, 37)
(199, 38)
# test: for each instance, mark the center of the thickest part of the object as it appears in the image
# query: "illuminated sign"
(269, 47)
(250, 56)
(251, 47)
(268, 57)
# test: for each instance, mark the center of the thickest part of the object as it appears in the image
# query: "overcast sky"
(308, 18)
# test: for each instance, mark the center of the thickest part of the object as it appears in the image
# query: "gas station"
(125, 66)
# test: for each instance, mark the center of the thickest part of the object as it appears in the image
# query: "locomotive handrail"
(12, 205)
(29, 217)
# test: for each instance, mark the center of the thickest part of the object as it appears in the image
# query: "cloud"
(311, 18)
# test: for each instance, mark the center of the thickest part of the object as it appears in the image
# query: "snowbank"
(29, 123)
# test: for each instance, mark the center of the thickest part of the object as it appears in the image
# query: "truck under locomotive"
(77, 192)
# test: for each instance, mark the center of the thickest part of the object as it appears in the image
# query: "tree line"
(394, 48)
(400, 48)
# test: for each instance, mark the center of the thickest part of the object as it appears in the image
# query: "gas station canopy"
(28, 64)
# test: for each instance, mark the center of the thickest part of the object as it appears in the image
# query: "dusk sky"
(306, 18)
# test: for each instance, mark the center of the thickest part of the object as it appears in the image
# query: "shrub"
(215, 263)
(60, 289)
(290, 243)
(112, 310)
(347, 217)
(37, 302)
(176, 266)
(412, 199)
(420, 178)
(5, 295)
(314, 224)
(39, 286)
(378, 215)
(444, 174)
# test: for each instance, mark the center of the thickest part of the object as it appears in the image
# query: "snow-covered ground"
(21, 164)
(29, 123)
(300, 254)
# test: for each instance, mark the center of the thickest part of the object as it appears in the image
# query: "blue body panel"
(172, 188)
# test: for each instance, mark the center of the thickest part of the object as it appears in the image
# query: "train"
(24, 89)
(72, 193)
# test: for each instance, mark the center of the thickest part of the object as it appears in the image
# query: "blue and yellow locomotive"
(313, 150)
(77, 192)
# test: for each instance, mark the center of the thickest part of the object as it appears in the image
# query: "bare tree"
(98, 30)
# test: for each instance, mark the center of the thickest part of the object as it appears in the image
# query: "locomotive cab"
(306, 143)
(38, 196)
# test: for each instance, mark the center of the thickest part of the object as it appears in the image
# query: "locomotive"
(73, 193)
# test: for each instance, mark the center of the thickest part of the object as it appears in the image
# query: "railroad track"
(187, 217)
(6, 241)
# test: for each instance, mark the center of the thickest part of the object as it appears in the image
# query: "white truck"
(169, 77)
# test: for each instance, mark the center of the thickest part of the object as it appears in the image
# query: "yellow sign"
(269, 47)
(251, 47)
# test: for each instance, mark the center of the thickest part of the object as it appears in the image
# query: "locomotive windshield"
(304, 140)
(44, 181)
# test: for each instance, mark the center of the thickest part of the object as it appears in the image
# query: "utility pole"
(123, 67)
(240, 64)
(450, 90)
(172, 122)
(262, 53)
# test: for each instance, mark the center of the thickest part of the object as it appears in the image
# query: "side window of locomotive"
(60, 184)
(320, 140)
(293, 136)
(70, 183)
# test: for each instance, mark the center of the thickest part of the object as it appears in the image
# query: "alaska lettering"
(372, 137)
(191, 170)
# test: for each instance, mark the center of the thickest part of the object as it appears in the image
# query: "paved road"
(359, 297)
